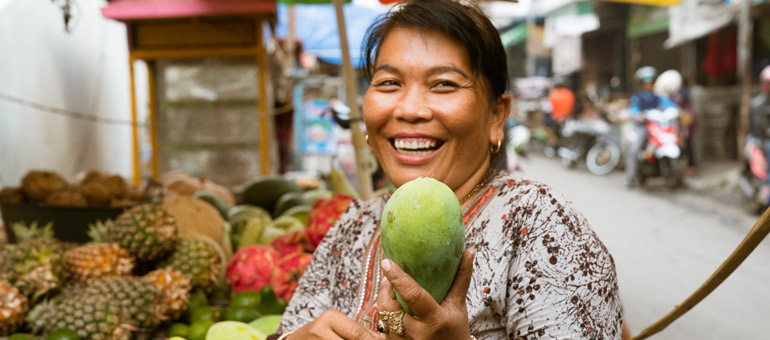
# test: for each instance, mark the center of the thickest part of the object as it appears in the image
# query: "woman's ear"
(500, 112)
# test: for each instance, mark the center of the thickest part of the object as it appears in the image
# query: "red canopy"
(148, 9)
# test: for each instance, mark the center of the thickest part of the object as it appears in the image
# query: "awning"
(571, 19)
(646, 20)
(692, 19)
(149, 9)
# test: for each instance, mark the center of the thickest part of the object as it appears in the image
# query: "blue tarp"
(316, 28)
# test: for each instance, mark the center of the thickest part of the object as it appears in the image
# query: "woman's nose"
(413, 105)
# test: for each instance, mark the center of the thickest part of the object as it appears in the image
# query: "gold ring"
(391, 321)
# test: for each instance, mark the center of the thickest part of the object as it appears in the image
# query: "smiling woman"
(436, 106)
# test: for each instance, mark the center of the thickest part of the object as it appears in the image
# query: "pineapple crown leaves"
(24, 232)
(99, 231)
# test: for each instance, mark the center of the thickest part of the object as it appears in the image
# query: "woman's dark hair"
(464, 23)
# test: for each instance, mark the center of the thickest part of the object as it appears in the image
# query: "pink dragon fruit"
(285, 276)
(289, 243)
(250, 267)
(323, 215)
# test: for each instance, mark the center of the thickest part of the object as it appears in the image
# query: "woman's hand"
(448, 320)
(334, 325)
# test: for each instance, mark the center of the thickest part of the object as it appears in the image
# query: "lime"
(270, 303)
(21, 336)
(197, 299)
(178, 329)
(63, 334)
(246, 298)
(242, 314)
(199, 329)
(209, 313)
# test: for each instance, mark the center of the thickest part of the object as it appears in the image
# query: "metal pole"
(744, 70)
(363, 175)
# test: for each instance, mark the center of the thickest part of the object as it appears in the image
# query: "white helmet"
(764, 79)
(667, 82)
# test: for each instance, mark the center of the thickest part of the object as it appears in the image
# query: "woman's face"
(428, 114)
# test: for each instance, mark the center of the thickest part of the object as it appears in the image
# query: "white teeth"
(414, 145)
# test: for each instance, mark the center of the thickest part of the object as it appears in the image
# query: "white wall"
(85, 71)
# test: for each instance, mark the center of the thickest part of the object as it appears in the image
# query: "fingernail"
(385, 265)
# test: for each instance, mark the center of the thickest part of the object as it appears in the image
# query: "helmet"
(764, 79)
(646, 74)
(667, 83)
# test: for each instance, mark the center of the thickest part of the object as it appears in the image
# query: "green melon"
(288, 201)
(265, 191)
(423, 232)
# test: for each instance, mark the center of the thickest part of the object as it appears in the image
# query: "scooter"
(660, 157)
(753, 180)
(589, 140)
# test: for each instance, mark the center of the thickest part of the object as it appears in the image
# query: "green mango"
(423, 232)
(265, 191)
(288, 201)
(300, 212)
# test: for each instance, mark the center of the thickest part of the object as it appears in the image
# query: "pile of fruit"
(193, 266)
(91, 189)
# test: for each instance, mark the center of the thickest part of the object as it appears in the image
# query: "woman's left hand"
(448, 320)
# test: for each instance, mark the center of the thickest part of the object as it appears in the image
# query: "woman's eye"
(386, 83)
(445, 85)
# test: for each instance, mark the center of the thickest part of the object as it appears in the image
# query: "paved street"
(665, 244)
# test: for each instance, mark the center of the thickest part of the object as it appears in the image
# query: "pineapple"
(13, 308)
(34, 265)
(146, 231)
(92, 317)
(198, 260)
(174, 288)
(140, 299)
(97, 260)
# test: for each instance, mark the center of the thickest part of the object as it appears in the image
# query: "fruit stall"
(180, 257)
(208, 85)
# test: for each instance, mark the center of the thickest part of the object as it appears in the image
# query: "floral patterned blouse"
(540, 271)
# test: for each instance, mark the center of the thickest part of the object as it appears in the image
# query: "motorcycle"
(660, 157)
(589, 140)
(753, 179)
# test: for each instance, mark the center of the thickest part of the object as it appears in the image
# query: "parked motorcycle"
(589, 140)
(660, 157)
(753, 180)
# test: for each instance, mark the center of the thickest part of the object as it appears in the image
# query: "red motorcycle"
(661, 155)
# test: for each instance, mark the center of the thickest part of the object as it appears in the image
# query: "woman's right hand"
(334, 325)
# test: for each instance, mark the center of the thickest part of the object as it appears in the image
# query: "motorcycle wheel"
(603, 157)
(669, 171)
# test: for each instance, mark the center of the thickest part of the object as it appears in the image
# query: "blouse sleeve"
(561, 278)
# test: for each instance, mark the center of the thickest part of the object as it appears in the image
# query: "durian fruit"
(146, 231)
(98, 259)
(13, 308)
(96, 194)
(174, 288)
(34, 265)
(66, 198)
(94, 317)
(197, 259)
(38, 185)
(12, 195)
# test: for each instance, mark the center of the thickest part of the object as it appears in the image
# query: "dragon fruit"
(324, 214)
(250, 267)
(286, 274)
(289, 243)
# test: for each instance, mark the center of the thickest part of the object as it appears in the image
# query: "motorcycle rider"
(643, 100)
(759, 116)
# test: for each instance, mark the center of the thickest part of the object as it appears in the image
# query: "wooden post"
(359, 144)
(290, 37)
(744, 70)
(153, 116)
(262, 104)
(134, 128)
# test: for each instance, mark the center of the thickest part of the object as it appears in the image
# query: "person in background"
(562, 101)
(643, 100)
(681, 97)
(759, 115)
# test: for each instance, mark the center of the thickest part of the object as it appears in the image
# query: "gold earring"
(494, 149)
(367, 138)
